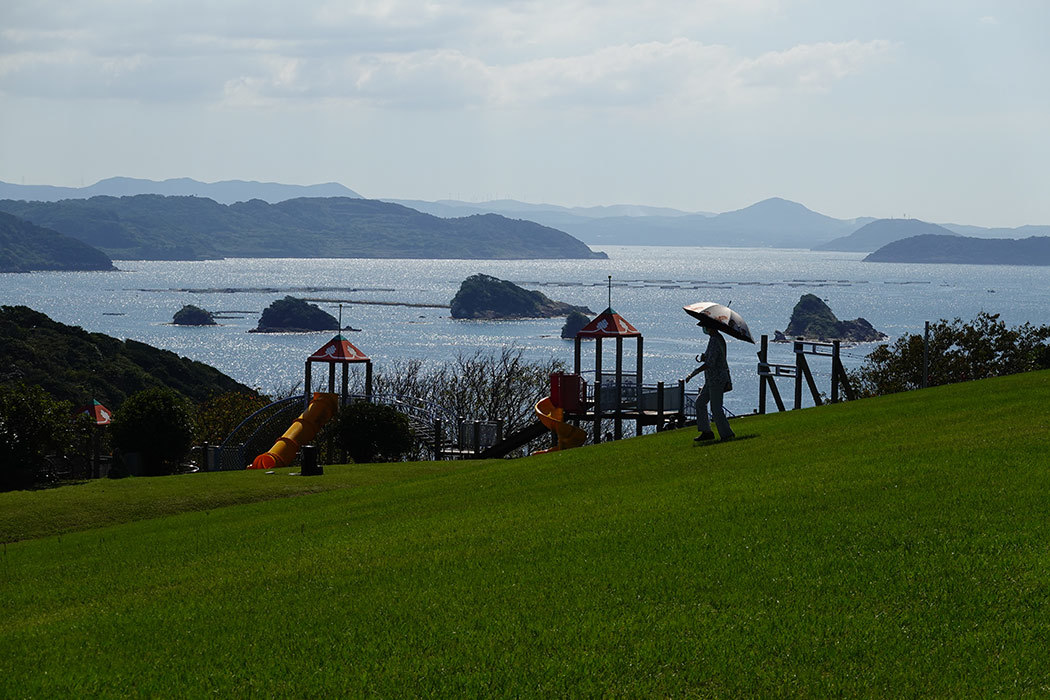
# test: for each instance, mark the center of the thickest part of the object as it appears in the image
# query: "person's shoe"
(706, 435)
(727, 438)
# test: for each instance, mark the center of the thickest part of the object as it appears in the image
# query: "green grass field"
(890, 547)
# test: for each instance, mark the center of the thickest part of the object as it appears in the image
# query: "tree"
(158, 425)
(958, 352)
(32, 426)
(371, 432)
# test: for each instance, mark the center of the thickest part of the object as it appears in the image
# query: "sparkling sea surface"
(650, 287)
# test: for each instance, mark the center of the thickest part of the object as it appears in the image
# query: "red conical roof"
(96, 412)
(338, 349)
(609, 324)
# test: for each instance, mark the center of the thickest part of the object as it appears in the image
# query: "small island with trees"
(813, 319)
(190, 315)
(291, 315)
(486, 297)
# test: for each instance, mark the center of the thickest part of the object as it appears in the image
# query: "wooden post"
(597, 390)
(838, 370)
(834, 373)
(368, 380)
(799, 361)
(681, 401)
(308, 388)
(926, 356)
(762, 360)
(576, 355)
(638, 389)
(331, 377)
(659, 406)
(618, 422)
(809, 381)
(345, 389)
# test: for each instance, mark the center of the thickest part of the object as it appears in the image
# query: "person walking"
(715, 367)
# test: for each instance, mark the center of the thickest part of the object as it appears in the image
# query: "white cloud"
(810, 67)
(442, 52)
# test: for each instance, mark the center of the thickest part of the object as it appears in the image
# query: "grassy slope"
(889, 547)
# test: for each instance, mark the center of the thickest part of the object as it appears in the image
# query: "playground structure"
(768, 372)
(617, 396)
(571, 407)
(322, 406)
(302, 431)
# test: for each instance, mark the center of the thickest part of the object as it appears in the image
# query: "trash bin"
(310, 466)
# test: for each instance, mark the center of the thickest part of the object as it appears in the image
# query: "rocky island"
(291, 315)
(574, 323)
(487, 297)
(190, 315)
(812, 319)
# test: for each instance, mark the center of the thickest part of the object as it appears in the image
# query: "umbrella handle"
(699, 360)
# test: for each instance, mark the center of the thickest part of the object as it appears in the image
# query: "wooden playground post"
(597, 390)
(638, 389)
(618, 420)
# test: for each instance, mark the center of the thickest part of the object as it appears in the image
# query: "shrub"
(958, 352)
(372, 432)
(158, 425)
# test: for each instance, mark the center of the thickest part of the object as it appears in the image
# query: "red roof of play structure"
(96, 412)
(608, 324)
(338, 349)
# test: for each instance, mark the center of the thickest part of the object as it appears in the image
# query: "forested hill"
(961, 249)
(154, 227)
(74, 365)
(26, 247)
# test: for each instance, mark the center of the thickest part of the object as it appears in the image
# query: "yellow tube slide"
(551, 416)
(303, 429)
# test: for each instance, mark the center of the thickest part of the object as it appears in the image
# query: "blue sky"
(932, 109)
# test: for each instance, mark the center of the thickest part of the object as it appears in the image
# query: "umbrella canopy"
(720, 318)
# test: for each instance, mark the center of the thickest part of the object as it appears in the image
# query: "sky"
(932, 109)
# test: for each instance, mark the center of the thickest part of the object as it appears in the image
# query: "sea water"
(650, 285)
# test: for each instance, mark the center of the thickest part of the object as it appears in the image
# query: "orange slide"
(303, 429)
(552, 416)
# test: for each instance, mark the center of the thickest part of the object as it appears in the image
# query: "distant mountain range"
(962, 249)
(772, 222)
(874, 235)
(225, 192)
(154, 227)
